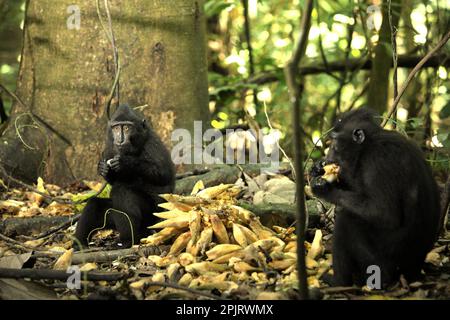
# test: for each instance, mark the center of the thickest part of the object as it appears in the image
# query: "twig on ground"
(179, 287)
(50, 274)
(19, 245)
(48, 233)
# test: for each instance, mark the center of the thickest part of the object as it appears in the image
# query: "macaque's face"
(122, 134)
(127, 132)
(347, 142)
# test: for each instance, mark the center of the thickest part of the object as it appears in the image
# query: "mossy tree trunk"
(66, 75)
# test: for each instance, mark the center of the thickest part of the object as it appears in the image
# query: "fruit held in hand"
(331, 172)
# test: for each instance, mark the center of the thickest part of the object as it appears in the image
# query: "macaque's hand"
(320, 186)
(317, 169)
(114, 163)
(103, 168)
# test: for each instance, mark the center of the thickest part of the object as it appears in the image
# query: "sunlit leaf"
(445, 111)
(214, 7)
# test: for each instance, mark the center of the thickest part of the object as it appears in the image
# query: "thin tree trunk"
(413, 100)
(381, 63)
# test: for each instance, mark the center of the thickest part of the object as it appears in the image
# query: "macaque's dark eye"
(116, 128)
(126, 128)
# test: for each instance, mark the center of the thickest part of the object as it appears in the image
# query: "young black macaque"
(138, 167)
(387, 203)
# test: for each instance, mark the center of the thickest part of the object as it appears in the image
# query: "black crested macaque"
(387, 203)
(138, 167)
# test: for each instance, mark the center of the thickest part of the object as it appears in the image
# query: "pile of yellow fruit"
(218, 244)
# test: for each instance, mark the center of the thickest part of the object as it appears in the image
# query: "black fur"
(387, 201)
(138, 170)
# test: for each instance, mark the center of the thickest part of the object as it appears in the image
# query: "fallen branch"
(26, 227)
(194, 172)
(55, 229)
(19, 245)
(282, 214)
(218, 174)
(111, 255)
(227, 174)
(49, 274)
(177, 286)
(331, 290)
(4, 173)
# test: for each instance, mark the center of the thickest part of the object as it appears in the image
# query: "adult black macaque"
(387, 203)
(138, 167)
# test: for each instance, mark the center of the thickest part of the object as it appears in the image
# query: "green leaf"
(316, 154)
(214, 7)
(445, 111)
(446, 144)
(415, 123)
(443, 136)
(85, 196)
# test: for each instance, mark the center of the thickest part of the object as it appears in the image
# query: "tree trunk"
(381, 62)
(66, 75)
(412, 98)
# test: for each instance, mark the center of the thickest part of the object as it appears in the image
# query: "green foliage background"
(274, 25)
(274, 28)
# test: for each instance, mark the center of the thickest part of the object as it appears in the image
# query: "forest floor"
(207, 246)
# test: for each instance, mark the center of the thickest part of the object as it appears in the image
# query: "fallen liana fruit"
(331, 172)
(215, 243)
